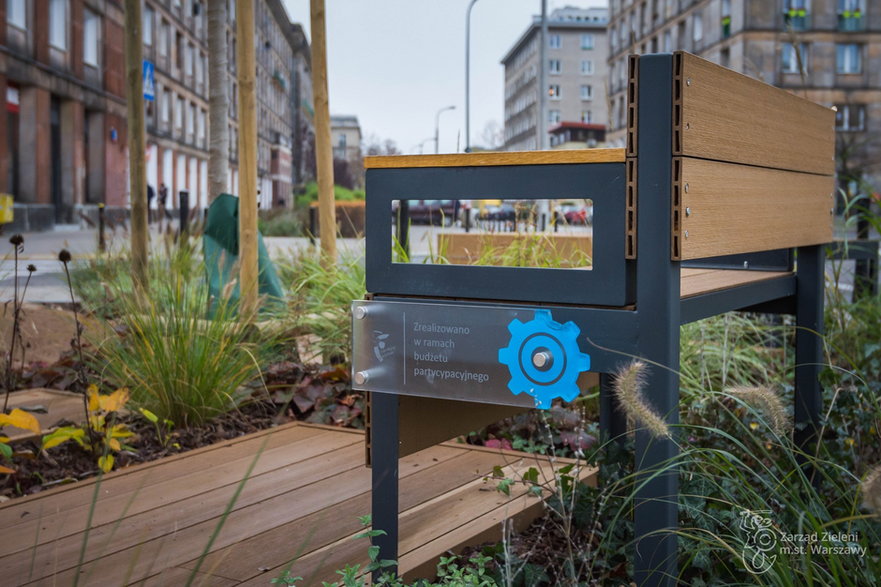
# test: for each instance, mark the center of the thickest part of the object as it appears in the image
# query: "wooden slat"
(142, 477)
(727, 116)
(484, 159)
(275, 547)
(728, 209)
(695, 282)
(188, 501)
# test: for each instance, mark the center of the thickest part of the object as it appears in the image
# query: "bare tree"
(218, 101)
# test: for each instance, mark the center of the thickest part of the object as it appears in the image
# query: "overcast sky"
(395, 63)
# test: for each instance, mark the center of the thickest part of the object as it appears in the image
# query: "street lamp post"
(468, 77)
(437, 127)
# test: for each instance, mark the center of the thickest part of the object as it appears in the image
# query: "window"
(554, 41)
(668, 41)
(586, 67)
(16, 13)
(586, 116)
(200, 132)
(554, 116)
(91, 37)
(148, 26)
(554, 91)
(165, 106)
(178, 113)
(554, 66)
(697, 27)
(587, 92)
(199, 69)
(850, 15)
(587, 41)
(188, 60)
(848, 58)
(850, 117)
(795, 14)
(191, 119)
(58, 24)
(794, 58)
(163, 38)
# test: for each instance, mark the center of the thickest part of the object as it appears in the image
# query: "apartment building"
(345, 134)
(62, 109)
(828, 51)
(176, 42)
(576, 61)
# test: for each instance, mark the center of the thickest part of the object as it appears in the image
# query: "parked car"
(434, 212)
(575, 214)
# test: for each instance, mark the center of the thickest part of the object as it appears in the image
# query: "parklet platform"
(721, 201)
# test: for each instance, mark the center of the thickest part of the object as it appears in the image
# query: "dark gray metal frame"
(650, 329)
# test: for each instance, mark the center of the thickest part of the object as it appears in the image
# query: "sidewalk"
(48, 284)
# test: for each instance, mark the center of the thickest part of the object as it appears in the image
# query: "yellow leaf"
(20, 419)
(114, 445)
(96, 422)
(93, 395)
(105, 463)
(61, 436)
(6, 470)
(121, 431)
(115, 401)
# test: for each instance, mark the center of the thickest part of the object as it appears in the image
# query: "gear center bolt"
(542, 359)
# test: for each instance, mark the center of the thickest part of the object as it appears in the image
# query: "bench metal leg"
(809, 345)
(613, 422)
(384, 458)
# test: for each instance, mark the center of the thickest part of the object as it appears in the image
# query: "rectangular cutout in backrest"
(543, 234)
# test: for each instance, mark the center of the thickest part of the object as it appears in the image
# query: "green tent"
(221, 246)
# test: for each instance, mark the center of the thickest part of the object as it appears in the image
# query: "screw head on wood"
(686, 188)
(688, 82)
(686, 234)
(688, 211)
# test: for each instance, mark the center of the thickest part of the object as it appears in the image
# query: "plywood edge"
(487, 159)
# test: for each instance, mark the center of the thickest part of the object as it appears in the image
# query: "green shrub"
(284, 223)
(310, 194)
(178, 365)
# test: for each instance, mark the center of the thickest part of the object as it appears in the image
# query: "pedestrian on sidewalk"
(150, 195)
(163, 201)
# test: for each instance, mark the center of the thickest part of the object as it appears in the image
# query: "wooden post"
(246, 66)
(135, 119)
(323, 149)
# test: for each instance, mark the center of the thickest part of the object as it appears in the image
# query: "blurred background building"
(577, 56)
(62, 105)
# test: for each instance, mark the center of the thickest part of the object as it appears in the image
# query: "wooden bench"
(721, 201)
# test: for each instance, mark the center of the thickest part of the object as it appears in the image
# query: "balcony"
(796, 20)
(851, 21)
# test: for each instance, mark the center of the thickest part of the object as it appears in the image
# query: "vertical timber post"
(384, 459)
(810, 278)
(657, 303)
(246, 66)
(323, 149)
(136, 148)
(613, 422)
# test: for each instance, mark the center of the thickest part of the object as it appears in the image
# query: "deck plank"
(152, 522)
(173, 494)
(695, 282)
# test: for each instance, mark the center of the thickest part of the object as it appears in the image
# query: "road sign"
(149, 80)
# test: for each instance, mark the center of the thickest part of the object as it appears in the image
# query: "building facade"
(576, 56)
(63, 149)
(828, 51)
(62, 109)
(176, 41)
(345, 135)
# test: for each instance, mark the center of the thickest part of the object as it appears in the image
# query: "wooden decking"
(306, 486)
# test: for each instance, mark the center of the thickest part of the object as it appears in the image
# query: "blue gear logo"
(544, 359)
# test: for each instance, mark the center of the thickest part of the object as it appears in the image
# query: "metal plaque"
(495, 355)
